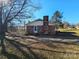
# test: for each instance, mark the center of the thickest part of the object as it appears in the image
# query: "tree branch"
(17, 12)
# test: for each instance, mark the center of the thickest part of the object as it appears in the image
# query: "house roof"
(38, 22)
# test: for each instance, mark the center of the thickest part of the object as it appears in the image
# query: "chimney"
(45, 20)
(45, 24)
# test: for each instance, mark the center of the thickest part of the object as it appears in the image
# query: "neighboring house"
(40, 27)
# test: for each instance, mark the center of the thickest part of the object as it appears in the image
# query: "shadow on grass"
(6, 54)
(61, 35)
(58, 35)
(67, 35)
(29, 48)
(29, 54)
(45, 39)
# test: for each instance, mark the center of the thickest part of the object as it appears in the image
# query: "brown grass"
(29, 48)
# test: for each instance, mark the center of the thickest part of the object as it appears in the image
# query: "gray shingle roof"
(37, 23)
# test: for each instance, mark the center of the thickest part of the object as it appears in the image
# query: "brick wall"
(45, 24)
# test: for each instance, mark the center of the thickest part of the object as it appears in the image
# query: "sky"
(69, 8)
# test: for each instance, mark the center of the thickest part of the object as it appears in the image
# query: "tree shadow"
(29, 48)
(23, 48)
(61, 35)
(45, 39)
(50, 43)
(27, 55)
(66, 35)
(6, 54)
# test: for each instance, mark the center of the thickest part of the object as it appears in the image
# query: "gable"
(37, 23)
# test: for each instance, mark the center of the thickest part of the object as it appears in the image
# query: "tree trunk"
(2, 36)
(2, 32)
(3, 29)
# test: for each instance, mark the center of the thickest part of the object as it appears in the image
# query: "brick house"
(41, 27)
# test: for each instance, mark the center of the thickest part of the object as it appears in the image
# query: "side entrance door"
(35, 29)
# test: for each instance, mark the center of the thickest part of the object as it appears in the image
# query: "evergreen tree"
(56, 19)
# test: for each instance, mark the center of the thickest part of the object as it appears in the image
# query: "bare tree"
(13, 10)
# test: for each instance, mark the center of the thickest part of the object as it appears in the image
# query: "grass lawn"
(76, 31)
(32, 48)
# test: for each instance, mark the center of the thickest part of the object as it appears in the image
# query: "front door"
(35, 29)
